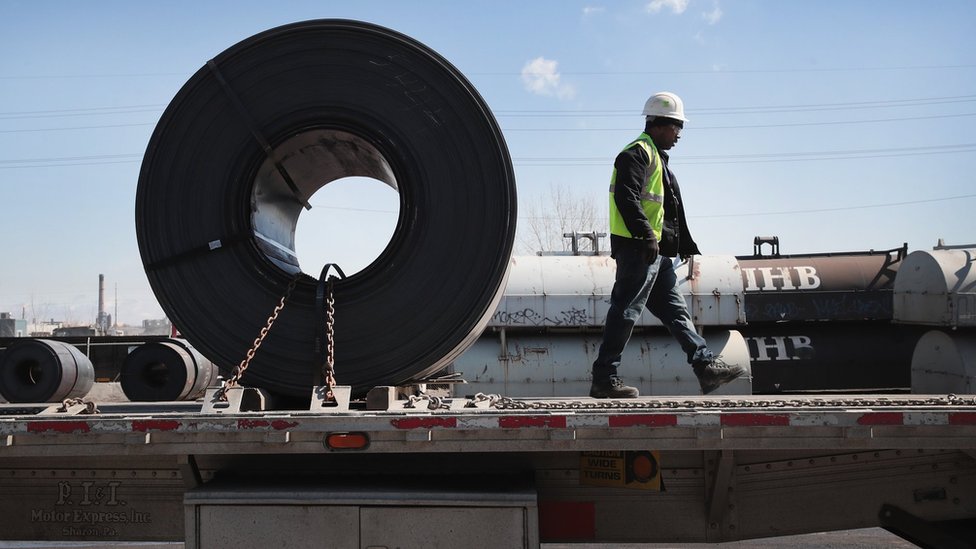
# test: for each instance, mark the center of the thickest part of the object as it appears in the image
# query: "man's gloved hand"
(651, 251)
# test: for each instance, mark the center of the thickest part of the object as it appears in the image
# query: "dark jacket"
(632, 173)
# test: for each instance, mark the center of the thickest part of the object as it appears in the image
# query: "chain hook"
(325, 303)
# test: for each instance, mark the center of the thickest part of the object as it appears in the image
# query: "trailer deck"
(644, 470)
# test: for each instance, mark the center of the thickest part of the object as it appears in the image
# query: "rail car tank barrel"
(573, 292)
(558, 364)
(937, 288)
(815, 356)
(813, 322)
(844, 286)
(944, 363)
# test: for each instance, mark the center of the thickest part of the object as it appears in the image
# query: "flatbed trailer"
(441, 472)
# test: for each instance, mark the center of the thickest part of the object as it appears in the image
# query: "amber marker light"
(644, 468)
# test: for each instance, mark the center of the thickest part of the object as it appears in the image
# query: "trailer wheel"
(41, 370)
(264, 125)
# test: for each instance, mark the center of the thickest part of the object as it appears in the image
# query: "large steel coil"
(166, 370)
(42, 370)
(264, 125)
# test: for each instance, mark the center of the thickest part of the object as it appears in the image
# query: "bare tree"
(561, 211)
(70, 319)
(39, 313)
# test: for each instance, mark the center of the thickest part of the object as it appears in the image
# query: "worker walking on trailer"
(647, 229)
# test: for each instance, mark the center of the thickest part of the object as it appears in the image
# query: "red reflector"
(347, 441)
(962, 418)
(881, 418)
(567, 521)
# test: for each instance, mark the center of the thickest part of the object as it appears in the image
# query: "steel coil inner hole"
(348, 183)
(351, 222)
(29, 372)
(155, 374)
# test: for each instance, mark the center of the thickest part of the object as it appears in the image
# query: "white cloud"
(593, 10)
(712, 17)
(541, 77)
(676, 6)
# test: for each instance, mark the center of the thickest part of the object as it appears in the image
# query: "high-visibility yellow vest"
(652, 194)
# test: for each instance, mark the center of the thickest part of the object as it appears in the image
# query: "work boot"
(612, 387)
(715, 372)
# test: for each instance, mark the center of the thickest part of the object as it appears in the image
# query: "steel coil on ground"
(165, 371)
(257, 131)
(41, 370)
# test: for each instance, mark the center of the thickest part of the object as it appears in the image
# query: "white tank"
(558, 365)
(944, 363)
(937, 288)
(574, 292)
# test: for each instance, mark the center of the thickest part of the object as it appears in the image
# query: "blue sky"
(836, 125)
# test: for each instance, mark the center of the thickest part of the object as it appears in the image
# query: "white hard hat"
(665, 104)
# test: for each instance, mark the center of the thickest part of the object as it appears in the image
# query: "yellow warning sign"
(639, 470)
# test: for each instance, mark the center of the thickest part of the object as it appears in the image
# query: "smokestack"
(104, 320)
(101, 296)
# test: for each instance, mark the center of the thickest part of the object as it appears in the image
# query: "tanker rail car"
(826, 322)
(801, 323)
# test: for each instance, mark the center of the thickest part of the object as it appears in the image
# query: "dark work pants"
(639, 285)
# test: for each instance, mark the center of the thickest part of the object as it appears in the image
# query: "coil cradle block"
(254, 133)
(42, 370)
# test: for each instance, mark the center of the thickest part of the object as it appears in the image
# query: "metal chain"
(433, 402)
(508, 403)
(90, 407)
(242, 367)
(328, 369)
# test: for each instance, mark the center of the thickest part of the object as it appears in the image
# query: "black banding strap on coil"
(258, 136)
